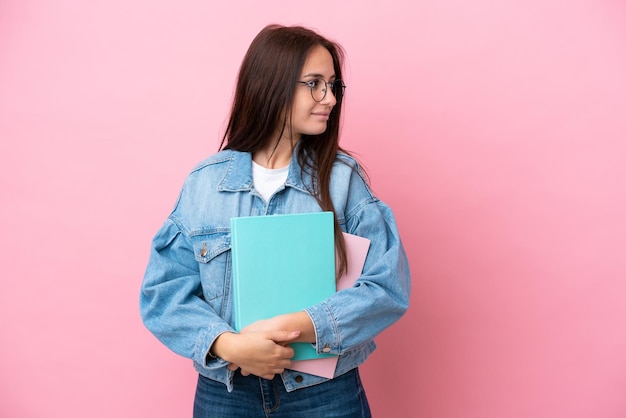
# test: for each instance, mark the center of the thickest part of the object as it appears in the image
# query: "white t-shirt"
(267, 180)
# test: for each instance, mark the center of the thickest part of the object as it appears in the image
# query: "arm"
(380, 296)
(171, 301)
(354, 316)
(174, 310)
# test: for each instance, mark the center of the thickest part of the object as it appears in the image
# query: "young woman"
(280, 154)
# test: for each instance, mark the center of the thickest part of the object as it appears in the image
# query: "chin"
(316, 131)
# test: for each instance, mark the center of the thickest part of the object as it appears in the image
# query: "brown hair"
(264, 94)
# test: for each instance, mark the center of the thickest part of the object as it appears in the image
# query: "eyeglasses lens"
(318, 91)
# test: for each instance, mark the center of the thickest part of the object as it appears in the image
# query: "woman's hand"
(296, 321)
(261, 353)
(277, 323)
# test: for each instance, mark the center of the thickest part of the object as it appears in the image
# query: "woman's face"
(309, 117)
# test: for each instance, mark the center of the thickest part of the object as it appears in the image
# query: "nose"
(329, 99)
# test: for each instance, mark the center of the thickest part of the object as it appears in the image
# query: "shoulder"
(215, 168)
(349, 186)
(220, 159)
(201, 194)
(346, 159)
(204, 178)
(348, 167)
(208, 172)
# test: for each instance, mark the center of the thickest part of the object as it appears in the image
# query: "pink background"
(495, 129)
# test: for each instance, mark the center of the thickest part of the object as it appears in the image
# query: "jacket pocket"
(212, 252)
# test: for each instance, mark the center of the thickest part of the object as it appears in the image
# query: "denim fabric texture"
(186, 291)
(341, 397)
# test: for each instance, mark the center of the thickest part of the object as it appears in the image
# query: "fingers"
(283, 336)
(245, 372)
(261, 353)
(265, 370)
(268, 376)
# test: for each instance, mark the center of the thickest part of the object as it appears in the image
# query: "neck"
(276, 154)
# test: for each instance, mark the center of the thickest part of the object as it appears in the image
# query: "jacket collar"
(238, 175)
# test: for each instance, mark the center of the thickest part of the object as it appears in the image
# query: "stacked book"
(285, 263)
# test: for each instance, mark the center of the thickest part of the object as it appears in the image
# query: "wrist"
(301, 321)
(219, 349)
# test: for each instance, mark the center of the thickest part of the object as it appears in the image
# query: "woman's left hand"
(296, 321)
(277, 323)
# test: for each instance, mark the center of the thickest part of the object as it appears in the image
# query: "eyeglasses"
(319, 87)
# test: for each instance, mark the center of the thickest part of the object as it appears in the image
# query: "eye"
(314, 84)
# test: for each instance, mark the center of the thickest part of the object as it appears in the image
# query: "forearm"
(299, 321)
(354, 316)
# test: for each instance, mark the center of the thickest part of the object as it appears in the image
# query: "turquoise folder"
(282, 264)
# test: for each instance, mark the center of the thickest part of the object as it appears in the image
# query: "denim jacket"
(186, 291)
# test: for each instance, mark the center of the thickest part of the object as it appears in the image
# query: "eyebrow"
(316, 75)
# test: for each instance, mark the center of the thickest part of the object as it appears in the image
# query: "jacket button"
(298, 379)
(326, 349)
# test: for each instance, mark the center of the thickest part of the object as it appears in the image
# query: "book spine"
(234, 261)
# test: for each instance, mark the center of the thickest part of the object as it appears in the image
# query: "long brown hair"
(264, 95)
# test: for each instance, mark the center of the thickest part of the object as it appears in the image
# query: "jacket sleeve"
(171, 303)
(380, 296)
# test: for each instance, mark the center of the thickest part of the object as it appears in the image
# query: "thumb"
(283, 336)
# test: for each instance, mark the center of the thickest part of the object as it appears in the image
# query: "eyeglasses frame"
(326, 83)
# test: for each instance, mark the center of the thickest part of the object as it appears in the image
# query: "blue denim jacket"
(186, 292)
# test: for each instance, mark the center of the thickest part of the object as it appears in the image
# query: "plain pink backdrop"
(495, 129)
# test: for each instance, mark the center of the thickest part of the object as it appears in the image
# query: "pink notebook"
(356, 251)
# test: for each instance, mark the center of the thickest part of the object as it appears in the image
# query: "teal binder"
(282, 264)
